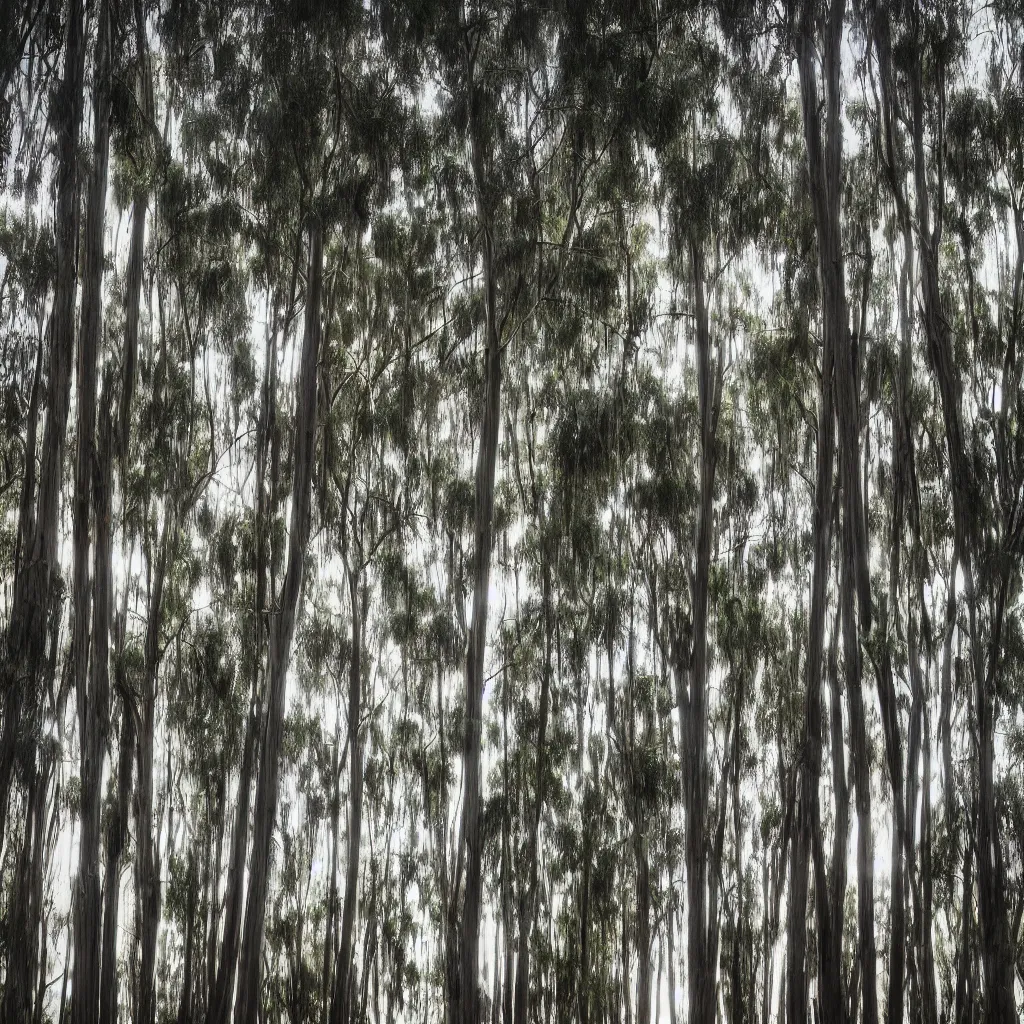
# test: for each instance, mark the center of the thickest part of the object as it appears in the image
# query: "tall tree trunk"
(702, 932)
(147, 846)
(343, 1000)
(185, 1002)
(463, 995)
(133, 291)
(824, 158)
(221, 1002)
(583, 988)
(327, 987)
(117, 837)
(528, 901)
(808, 812)
(213, 908)
(641, 856)
(281, 632)
(92, 682)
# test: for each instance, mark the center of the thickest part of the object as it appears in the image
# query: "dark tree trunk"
(327, 987)
(824, 158)
(221, 1002)
(25, 910)
(117, 836)
(281, 632)
(343, 999)
(147, 851)
(185, 1002)
(808, 812)
(701, 865)
(91, 683)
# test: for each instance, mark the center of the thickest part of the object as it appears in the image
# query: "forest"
(511, 511)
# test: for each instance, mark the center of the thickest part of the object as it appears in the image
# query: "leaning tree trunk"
(281, 632)
(40, 569)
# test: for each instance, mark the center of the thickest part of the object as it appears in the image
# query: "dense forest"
(511, 511)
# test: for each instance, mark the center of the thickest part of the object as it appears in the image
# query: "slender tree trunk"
(147, 846)
(528, 904)
(702, 932)
(92, 687)
(465, 934)
(281, 632)
(117, 836)
(343, 1000)
(332, 898)
(221, 1002)
(824, 159)
(213, 908)
(185, 1002)
(583, 988)
(133, 292)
